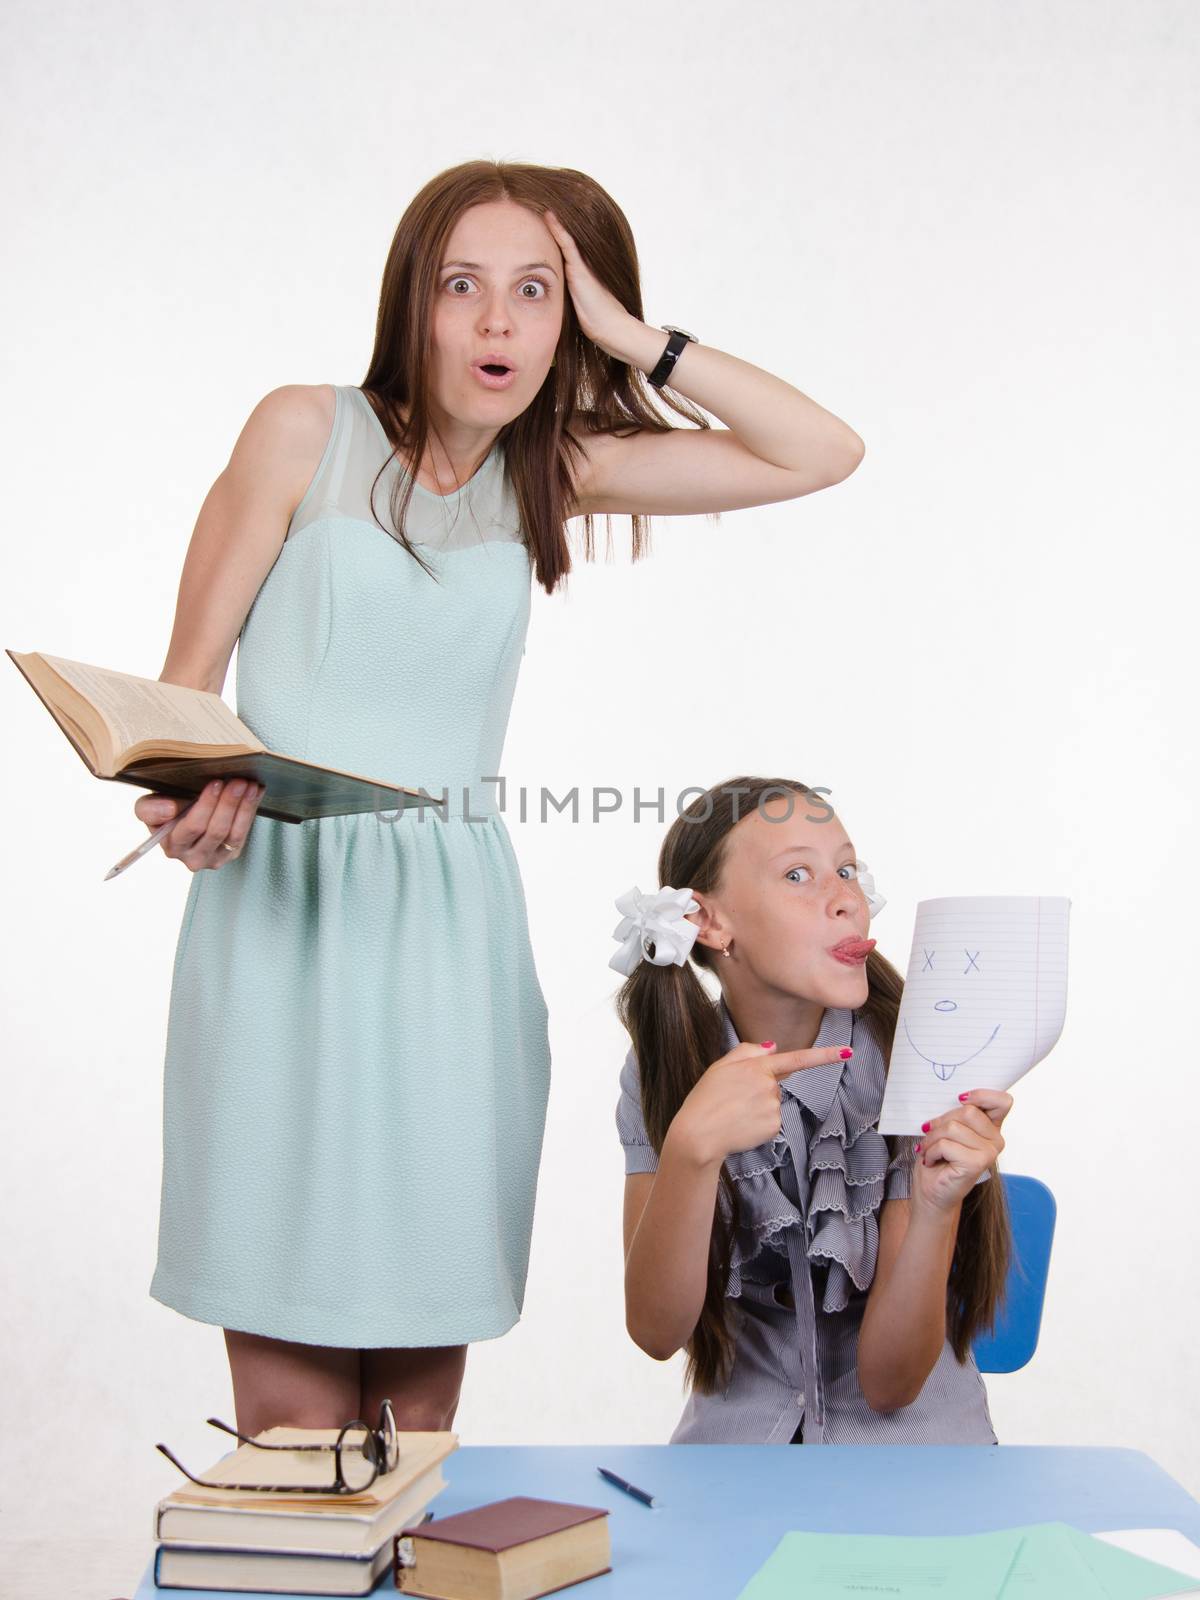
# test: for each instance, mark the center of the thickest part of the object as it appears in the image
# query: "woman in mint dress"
(357, 1060)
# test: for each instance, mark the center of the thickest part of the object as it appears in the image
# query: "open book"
(174, 740)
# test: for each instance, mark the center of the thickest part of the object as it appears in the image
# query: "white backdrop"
(966, 229)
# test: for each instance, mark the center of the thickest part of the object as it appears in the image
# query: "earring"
(724, 949)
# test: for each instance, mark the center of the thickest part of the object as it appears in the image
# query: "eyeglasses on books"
(356, 1462)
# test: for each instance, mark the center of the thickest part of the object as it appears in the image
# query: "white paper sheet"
(1167, 1546)
(984, 1000)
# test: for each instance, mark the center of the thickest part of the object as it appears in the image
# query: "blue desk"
(725, 1507)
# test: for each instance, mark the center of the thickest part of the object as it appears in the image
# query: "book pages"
(143, 708)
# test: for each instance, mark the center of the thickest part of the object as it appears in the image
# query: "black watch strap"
(666, 362)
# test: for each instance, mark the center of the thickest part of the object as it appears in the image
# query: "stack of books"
(275, 1543)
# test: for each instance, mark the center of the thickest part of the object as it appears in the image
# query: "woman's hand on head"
(600, 315)
(958, 1146)
(735, 1105)
(221, 815)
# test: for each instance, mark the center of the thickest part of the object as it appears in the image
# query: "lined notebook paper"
(984, 1000)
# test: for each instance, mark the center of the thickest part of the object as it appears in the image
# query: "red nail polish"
(964, 1096)
(924, 1127)
(846, 1053)
(916, 1150)
(768, 1044)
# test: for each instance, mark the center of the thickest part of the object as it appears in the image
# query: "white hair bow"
(654, 923)
(866, 882)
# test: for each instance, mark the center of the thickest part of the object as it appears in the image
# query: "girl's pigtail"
(676, 1032)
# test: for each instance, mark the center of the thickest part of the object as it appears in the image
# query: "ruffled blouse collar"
(840, 1163)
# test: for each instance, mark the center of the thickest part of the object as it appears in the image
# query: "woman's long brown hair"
(585, 387)
(676, 1032)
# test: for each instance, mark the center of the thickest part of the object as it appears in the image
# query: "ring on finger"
(232, 847)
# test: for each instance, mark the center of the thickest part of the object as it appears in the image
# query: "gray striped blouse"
(803, 1259)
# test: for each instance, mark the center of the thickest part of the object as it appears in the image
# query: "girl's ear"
(712, 932)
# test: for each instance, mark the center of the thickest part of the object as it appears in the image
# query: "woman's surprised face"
(791, 905)
(499, 294)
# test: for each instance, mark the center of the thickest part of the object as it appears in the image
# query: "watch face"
(667, 328)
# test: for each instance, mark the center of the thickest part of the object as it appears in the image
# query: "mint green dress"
(357, 1062)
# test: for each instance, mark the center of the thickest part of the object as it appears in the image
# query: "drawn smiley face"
(941, 972)
(984, 999)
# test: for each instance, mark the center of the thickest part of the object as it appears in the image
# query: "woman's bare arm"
(240, 530)
(238, 535)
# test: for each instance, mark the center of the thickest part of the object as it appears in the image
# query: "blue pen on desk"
(638, 1494)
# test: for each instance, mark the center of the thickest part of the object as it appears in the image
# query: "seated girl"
(826, 1285)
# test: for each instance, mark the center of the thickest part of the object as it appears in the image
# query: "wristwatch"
(679, 337)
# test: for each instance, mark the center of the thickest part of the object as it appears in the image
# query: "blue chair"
(1014, 1339)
